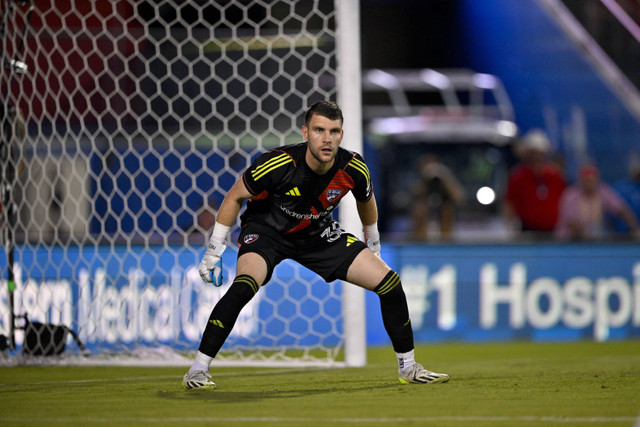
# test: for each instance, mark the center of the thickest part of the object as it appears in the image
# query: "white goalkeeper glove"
(210, 268)
(372, 238)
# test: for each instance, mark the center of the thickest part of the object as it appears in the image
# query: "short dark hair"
(328, 109)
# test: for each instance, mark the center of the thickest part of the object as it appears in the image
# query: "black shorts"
(329, 256)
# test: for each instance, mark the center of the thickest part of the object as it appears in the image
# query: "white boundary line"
(182, 420)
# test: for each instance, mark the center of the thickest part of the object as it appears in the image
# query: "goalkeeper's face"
(323, 137)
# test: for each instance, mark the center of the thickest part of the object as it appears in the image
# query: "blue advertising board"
(124, 295)
(528, 291)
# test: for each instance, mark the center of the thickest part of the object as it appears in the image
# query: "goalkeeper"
(292, 191)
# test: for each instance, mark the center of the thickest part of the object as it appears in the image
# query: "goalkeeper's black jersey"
(295, 201)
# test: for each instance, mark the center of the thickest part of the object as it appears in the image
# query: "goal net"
(124, 124)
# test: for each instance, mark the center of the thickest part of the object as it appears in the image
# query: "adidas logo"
(293, 192)
(217, 323)
(350, 240)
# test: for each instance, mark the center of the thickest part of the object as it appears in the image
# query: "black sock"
(395, 312)
(225, 313)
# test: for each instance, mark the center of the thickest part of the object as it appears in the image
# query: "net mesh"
(124, 124)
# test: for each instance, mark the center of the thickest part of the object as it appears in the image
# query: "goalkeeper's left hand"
(372, 238)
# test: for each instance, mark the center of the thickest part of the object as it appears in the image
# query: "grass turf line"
(529, 384)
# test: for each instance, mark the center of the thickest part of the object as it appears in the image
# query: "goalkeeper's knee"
(243, 288)
(245, 285)
(389, 286)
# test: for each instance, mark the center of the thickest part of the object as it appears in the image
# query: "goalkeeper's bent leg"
(225, 313)
(395, 312)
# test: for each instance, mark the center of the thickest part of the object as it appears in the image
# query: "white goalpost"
(123, 126)
(350, 99)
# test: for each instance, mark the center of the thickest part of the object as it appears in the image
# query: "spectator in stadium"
(629, 190)
(292, 192)
(584, 208)
(437, 193)
(534, 188)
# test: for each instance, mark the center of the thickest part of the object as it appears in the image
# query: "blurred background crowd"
(490, 124)
(494, 120)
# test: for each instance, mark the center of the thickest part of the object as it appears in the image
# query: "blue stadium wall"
(516, 291)
(545, 74)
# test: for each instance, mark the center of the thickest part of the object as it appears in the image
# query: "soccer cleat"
(416, 374)
(197, 379)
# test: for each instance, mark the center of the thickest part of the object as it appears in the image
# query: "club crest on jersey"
(333, 194)
(250, 238)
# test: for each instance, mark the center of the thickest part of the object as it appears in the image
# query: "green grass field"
(530, 384)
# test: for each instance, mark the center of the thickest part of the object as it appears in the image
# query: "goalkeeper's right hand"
(210, 268)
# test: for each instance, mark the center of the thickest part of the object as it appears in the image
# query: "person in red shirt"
(534, 188)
